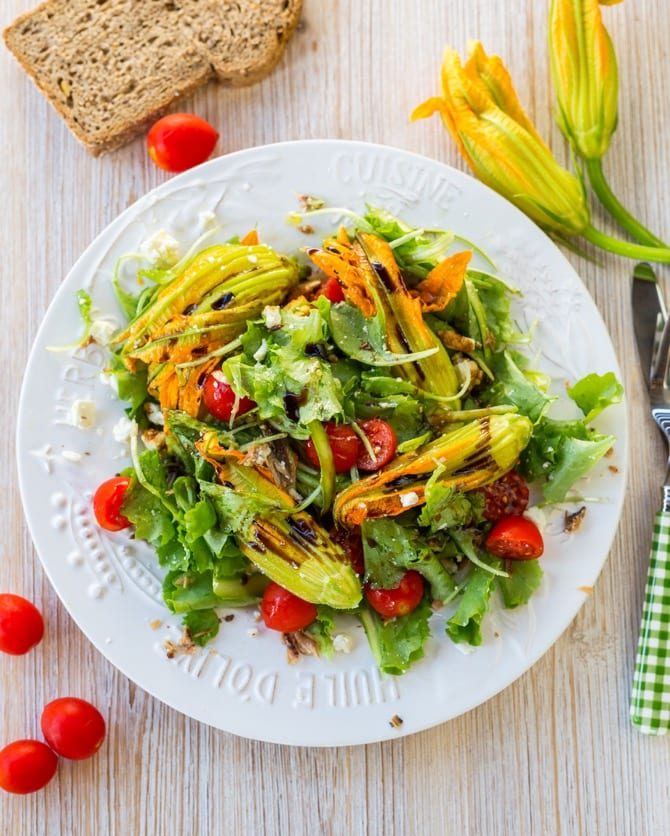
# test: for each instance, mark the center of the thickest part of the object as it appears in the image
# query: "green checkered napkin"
(650, 701)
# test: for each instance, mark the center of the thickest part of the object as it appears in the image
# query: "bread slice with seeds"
(111, 67)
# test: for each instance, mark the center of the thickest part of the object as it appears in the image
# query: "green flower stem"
(619, 212)
(625, 248)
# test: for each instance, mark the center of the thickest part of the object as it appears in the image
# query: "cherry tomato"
(384, 442)
(506, 496)
(401, 600)
(332, 290)
(26, 766)
(219, 398)
(180, 141)
(344, 443)
(515, 538)
(107, 502)
(21, 625)
(73, 728)
(284, 611)
(350, 540)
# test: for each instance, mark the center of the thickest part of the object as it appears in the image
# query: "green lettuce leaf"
(398, 643)
(447, 508)
(289, 368)
(202, 626)
(525, 577)
(321, 630)
(465, 624)
(596, 392)
(512, 386)
(390, 549)
(560, 452)
(132, 387)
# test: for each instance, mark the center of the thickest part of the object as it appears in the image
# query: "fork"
(650, 699)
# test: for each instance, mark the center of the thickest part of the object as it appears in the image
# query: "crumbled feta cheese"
(259, 355)
(161, 248)
(155, 414)
(342, 643)
(102, 330)
(537, 515)
(272, 317)
(206, 220)
(124, 430)
(83, 414)
(409, 499)
(71, 456)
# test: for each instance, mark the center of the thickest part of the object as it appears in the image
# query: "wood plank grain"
(554, 753)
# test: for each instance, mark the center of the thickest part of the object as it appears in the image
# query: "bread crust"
(207, 66)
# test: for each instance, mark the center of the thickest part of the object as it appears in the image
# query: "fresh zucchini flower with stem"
(481, 110)
(586, 81)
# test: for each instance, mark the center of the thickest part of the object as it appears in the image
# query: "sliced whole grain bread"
(111, 67)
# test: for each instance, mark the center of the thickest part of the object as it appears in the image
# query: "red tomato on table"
(515, 538)
(21, 624)
(72, 727)
(282, 610)
(401, 600)
(180, 141)
(26, 766)
(107, 502)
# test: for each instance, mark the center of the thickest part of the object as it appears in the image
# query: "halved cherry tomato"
(107, 502)
(384, 443)
(515, 538)
(21, 624)
(506, 496)
(219, 398)
(344, 443)
(26, 766)
(401, 600)
(180, 141)
(351, 542)
(284, 611)
(331, 290)
(73, 728)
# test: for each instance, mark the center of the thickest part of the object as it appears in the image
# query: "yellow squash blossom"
(585, 76)
(482, 112)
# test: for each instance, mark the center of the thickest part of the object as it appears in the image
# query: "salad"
(350, 429)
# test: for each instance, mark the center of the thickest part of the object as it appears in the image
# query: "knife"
(650, 698)
(649, 315)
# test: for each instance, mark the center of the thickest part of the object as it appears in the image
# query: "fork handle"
(650, 700)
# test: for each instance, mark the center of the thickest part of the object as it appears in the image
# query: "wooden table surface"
(552, 754)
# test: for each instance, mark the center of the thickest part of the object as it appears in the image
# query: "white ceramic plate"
(111, 585)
